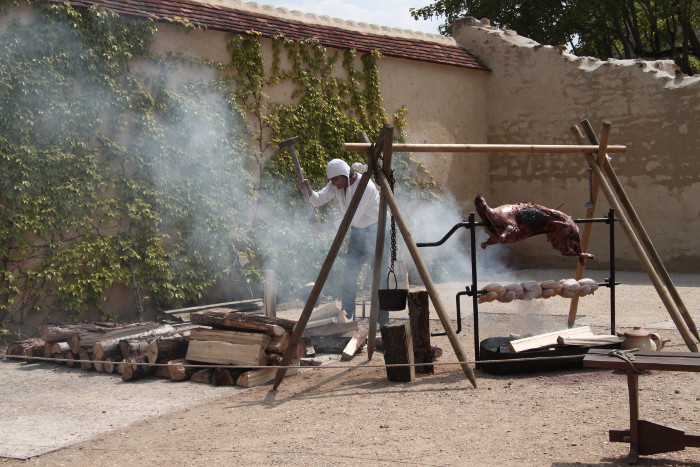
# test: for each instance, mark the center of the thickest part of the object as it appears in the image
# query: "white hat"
(337, 167)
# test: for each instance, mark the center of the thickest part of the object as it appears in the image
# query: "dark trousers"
(361, 249)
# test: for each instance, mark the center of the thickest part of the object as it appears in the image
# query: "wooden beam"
(491, 148)
(325, 270)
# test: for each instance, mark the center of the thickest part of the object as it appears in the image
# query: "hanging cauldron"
(392, 299)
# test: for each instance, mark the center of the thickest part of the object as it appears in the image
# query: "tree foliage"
(648, 29)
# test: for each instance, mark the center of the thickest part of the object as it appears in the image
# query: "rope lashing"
(626, 355)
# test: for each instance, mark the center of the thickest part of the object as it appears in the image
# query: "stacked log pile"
(242, 340)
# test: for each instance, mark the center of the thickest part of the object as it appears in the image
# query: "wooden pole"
(643, 236)
(325, 269)
(379, 246)
(270, 293)
(425, 275)
(491, 148)
(641, 253)
(590, 212)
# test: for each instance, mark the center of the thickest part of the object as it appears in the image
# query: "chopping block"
(646, 437)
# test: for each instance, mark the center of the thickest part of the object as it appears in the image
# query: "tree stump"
(418, 316)
(398, 348)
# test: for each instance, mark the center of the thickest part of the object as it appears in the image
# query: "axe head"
(288, 142)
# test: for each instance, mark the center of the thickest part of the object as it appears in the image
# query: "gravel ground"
(351, 416)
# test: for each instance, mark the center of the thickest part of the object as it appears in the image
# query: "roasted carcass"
(510, 223)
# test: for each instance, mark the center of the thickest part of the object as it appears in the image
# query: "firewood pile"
(204, 349)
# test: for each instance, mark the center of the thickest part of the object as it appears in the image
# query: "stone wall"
(536, 93)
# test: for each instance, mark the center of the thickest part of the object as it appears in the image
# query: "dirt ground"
(354, 415)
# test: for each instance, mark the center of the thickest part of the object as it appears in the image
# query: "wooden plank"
(233, 337)
(549, 338)
(326, 310)
(643, 362)
(252, 305)
(332, 329)
(356, 343)
(225, 353)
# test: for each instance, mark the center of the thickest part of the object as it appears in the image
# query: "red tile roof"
(221, 18)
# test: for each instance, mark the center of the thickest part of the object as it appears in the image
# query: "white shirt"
(367, 211)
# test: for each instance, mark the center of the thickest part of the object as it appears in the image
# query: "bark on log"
(131, 347)
(59, 348)
(419, 319)
(133, 369)
(398, 349)
(63, 332)
(110, 346)
(47, 350)
(226, 319)
(120, 332)
(169, 347)
(28, 348)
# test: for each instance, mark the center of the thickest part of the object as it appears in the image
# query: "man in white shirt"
(342, 185)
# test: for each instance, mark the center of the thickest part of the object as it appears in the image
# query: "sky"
(393, 13)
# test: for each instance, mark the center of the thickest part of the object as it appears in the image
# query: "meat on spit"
(510, 223)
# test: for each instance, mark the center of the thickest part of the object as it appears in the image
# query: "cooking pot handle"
(396, 282)
(659, 341)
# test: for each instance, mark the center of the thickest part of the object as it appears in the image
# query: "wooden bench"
(647, 437)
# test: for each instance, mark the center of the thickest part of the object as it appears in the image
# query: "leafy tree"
(648, 29)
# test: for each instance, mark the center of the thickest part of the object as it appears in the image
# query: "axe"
(291, 142)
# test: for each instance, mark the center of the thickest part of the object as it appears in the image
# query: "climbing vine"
(119, 175)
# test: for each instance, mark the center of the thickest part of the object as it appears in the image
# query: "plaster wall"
(536, 93)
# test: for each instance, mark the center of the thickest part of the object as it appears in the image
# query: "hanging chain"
(393, 226)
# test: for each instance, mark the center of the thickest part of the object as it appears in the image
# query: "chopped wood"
(202, 376)
(69, 356)
(59, 348)
(245, 306)
(327, 310)
(225, 376)
(132, 368)
(233, 337)
(109, 345)
(358, 340)
(161, 372)
(310, 351)
(590, 340)
(131, 347)
(279, 344)
(225, 319)
(419, 319)
(549, 338)
(322, 322)
(179, 371)
(261, 376)
(110, 364)
(332, 329)
(28, 348)
(226, 354)
(311, 362)
(398, 349)
(436, 352)
(47, 350)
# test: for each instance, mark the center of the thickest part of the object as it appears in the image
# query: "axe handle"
(300, 176)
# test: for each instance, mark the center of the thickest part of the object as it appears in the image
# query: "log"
(270, 293)
(131, 347)
(27, 348)
(236, 321)
(490, 148)
(59, 348)
(131, 368)
(63, 332)
(326, 310)
(358, 340)
(168, 347)
(310, 351)
(419, 319)
(179, 371)
(248, 306)
(109, 347)
(47, 350)
(161, 372)
(85, 355)
(69, 356)
(547, 339)
(119, 332)
(226, 354)
(436, 352)
(398, 348)
(232, 337)
(110, 364)
(202, 376)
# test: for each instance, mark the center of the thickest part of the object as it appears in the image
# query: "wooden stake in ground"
(325, 269)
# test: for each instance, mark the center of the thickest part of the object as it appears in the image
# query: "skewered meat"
(510, 223)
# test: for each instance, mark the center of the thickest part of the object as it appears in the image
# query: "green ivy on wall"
(117, 176)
